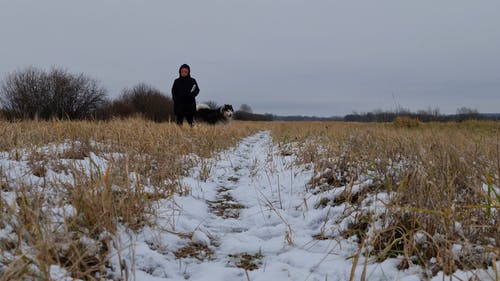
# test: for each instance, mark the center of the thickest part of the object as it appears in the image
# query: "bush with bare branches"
(143, 100)
(33, 93)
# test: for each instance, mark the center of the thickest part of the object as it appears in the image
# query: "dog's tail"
(202, 106)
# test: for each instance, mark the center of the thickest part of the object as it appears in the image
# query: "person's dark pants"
(179, 118)
(185, 110)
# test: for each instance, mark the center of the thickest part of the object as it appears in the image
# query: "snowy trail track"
(238, 215)
(250, 219)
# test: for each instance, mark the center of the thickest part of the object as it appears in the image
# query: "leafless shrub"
(143, 100)
(35, 94)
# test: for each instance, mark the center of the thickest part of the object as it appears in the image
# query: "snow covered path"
(250, 218)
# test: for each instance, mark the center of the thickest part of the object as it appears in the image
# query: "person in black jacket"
(184, 92)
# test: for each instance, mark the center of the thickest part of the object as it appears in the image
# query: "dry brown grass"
(145, 160)
(443, 179)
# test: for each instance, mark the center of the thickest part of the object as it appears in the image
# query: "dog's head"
(227, 110)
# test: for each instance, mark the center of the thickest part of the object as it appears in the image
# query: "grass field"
(442, 178)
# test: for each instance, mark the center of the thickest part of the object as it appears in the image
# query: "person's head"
(184, 71)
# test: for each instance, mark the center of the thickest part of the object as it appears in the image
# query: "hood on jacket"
(185, 66)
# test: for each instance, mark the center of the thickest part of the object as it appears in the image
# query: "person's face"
(184, 72)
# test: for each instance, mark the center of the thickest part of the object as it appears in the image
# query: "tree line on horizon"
(33, 93)
(429, 115)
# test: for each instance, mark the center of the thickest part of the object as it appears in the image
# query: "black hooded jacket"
(184, 92)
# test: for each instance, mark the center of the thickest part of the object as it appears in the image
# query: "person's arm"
(174, 91)
(195, 90)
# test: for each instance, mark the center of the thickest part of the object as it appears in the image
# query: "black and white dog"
(212, 116)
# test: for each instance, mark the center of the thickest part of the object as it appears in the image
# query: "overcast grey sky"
(283, 57)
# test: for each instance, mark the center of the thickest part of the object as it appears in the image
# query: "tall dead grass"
(443, 181)
(71, 223)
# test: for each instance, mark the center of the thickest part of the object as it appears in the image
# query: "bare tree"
(33, 93)
(245, 108)
(465, 113)
(147, 101)
(74, 96)
(23, 93)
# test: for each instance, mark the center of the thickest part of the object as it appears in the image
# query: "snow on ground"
(249, 216)
(251, 219)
